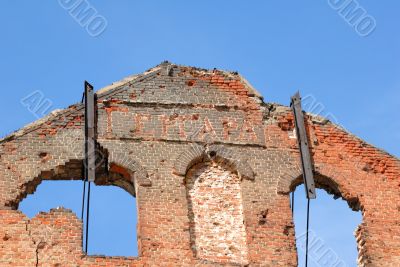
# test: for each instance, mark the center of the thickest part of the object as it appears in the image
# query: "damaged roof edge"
(315, 118)
(227, 73)
(251, 88)
(101, 93)
(107, 90)
(33, 125)
(116, 87)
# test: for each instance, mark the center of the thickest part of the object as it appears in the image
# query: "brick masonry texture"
(216, 214)
(180, 139)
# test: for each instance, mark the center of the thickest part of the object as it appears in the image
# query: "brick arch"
(26, 161)
(331, 180)
(129, 168)
(346, 183)
(288, 178)
(221, 154)
(328, 177)
(68, 170)
(365, 176)
(338, 182)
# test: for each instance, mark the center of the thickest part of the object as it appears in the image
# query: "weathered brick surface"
(216, 214)
(175, 137)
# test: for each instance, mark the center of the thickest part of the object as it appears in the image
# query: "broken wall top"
(154, 127)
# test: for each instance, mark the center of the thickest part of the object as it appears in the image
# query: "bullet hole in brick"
(212, 154)
(287, 230)
(263, 217)
(262, 222)
(367, 167)
(233, 249)
(41, 245)
(43, 155)
(6, 237)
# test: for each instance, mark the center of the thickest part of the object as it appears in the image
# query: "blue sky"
(279, 46)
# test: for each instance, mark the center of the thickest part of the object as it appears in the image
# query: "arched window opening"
(216, 214)
(113, 214)
(333, 224)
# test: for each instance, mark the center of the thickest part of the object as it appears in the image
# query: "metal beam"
(90, 138)
(308, 175)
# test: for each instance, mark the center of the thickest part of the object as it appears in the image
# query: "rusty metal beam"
(306, 162)
(90, 137)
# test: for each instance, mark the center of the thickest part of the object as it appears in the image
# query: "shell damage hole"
(212, 154)
(43, 155)
(263, 217)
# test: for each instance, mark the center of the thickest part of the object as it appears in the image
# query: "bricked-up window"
(216, 213)
(332, 230)
(113, 214)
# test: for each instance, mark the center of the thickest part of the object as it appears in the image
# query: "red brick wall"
(164, 131)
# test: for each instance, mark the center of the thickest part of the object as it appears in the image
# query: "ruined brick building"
(211, 166)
